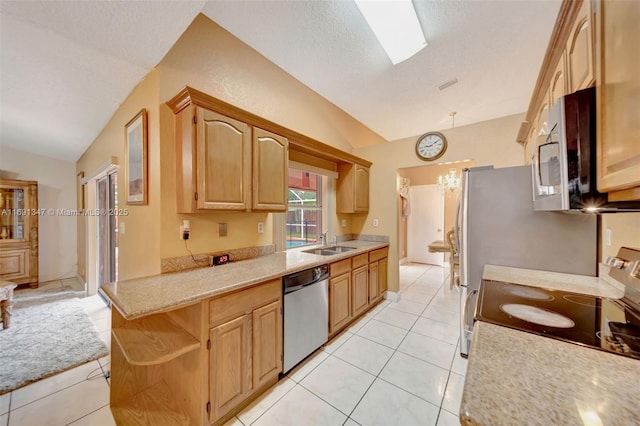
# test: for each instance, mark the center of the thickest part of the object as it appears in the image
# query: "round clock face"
(431, 146)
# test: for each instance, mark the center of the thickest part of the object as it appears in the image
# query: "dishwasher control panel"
(297, 280)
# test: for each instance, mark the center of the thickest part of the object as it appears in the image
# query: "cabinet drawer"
(339, 268)
(359, 260)
(243, 301)
(14, 264)
(378, 254)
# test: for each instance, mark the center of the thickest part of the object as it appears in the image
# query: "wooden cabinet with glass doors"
(19, 231)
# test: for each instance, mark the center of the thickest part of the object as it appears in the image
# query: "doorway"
(425, 224)
(107, 226)
(101, 227)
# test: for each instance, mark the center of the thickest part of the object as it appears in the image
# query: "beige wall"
(57, 253)
(428, 175)
(488, 142)
(212, 60)
(209, 59)
(625, 232)
(139, 246)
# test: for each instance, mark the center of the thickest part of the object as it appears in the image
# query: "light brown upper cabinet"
(352, 188)
(270, 171)
(558, 86)
(618, 99)
(230, 159)
(224, 162)
(579, 51)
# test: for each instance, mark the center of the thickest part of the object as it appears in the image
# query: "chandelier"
(449, 182)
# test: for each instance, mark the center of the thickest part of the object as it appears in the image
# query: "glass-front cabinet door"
(19, 231)
(12, 221)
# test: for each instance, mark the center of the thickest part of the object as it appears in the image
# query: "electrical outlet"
(222, 229)
(375, 222)
(344, 222)
(260, 227)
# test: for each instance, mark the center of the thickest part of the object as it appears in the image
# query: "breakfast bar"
(210, 340)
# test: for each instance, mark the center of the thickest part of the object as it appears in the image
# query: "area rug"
(31, 297)
(44, 340)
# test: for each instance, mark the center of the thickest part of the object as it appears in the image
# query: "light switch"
(121, 228)
(344, 222)
(607, 236)
(375, 222)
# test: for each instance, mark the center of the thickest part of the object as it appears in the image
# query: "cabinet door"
(14, 264)
(374, 277)
(382, 271)
(230, 375)
(361, 193)
(558, 88)
(359, 290)
(618, 100)
(224, 162)
(270, 171)
(267, 343)
(580, 50)
(339, 302)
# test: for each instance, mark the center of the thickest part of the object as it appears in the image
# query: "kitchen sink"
(328, 251)
(339, 249)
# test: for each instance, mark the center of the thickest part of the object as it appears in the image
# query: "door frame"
(91, 224)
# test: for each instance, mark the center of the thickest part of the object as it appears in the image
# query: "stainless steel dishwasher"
(306, 313)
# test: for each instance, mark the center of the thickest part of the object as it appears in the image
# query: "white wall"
(56, 190)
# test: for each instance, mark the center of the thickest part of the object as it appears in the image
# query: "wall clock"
(431, 146)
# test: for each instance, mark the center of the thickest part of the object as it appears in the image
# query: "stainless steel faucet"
(323, 238)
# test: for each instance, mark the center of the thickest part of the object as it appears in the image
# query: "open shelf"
(153, 406)
(153, 340)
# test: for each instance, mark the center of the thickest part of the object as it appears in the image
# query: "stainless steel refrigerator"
(497, 225)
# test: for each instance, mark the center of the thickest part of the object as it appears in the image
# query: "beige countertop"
(514, 377)
(161, 293)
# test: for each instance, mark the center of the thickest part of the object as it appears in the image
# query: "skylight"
(395, 25)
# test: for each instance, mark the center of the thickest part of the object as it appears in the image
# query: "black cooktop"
(607, 324)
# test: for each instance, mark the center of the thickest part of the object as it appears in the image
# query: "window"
(304, 217)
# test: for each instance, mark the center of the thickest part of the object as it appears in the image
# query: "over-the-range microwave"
(564, 164)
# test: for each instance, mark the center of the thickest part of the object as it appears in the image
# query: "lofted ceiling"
(67, 66)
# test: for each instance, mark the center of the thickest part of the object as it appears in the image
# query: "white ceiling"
(67, 66)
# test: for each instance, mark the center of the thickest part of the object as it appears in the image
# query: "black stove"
(603, 323)
(611, 325)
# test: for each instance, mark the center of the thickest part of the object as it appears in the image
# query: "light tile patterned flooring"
(399, 365)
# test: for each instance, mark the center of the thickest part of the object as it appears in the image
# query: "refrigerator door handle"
(456, 225)
(465, 311)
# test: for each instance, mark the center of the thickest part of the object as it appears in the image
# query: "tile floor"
(398, 365)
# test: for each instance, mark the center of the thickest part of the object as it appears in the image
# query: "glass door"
(107, 223)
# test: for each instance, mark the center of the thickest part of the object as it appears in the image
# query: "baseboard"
(392, 296)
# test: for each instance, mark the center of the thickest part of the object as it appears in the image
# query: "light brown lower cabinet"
(360, 290)
(374, 279)
(200, 364)
(339, 302)
(267, 344)
(355, 285)
(230, 378)
(246, 351)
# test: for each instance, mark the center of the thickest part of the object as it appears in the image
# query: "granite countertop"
(595, 286)
(515, 377)
(140, 297)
